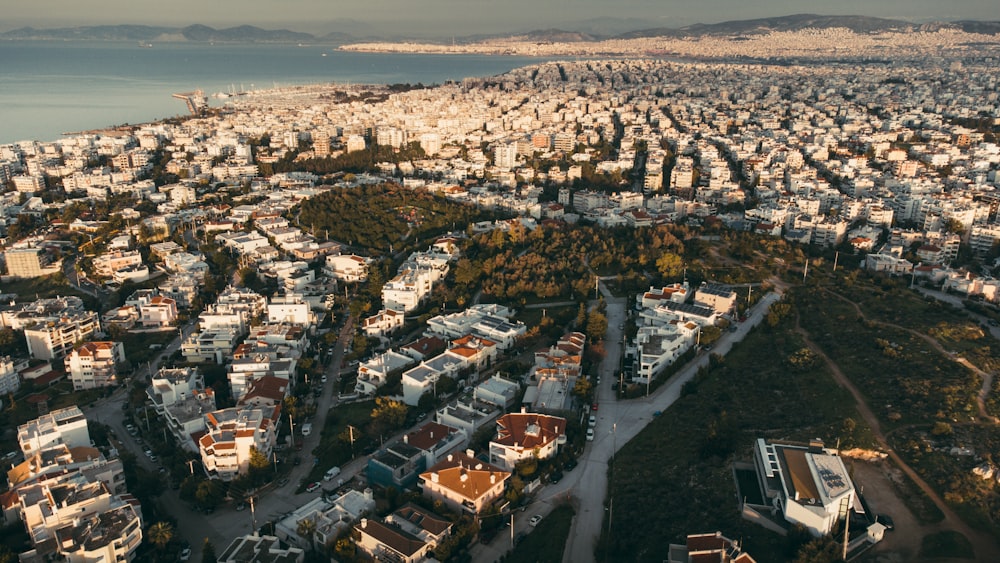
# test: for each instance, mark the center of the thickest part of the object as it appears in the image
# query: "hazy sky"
(460, 17)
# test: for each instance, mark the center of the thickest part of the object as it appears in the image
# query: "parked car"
(331, 473)
(590, 434)
(185, 554)
(535, 520)
(593, 420)
(313, 487)
(555, 477)
(570, 465)
(594, 406)
(282, 482)
(307, 429)
(241, 507)
(323, 379)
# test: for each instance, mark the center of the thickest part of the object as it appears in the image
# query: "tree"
(306, 529)
(597, 326)
(389, 413)
(208, 552)
(670, 265)
(258, 460)
(582, 388)
(160, 534)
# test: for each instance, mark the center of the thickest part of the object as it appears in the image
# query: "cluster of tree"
(369, 216)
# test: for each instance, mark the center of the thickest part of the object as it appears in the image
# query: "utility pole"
(512, 529)
(836, 258)
(190, 463)
(253, 515)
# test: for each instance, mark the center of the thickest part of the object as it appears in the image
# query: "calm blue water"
(51, 87)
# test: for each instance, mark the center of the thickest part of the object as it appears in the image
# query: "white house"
(807, 484)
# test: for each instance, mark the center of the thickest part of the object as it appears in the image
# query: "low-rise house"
(463, 483)
(708, 548)
(160, 312)
(408, 535)
(399, 464)
(524, 435)
(467, 414)
(719, 298)
(382, 323)
(374, 373)
(348, 268)
(497, 391)
(806, 483)
(330, 518)
(95, 364)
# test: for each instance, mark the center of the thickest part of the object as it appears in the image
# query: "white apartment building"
(55, 339)
(79, 522)
(231, 435)
(159, 312)
(289, 308)
(405, 291)
(10, 382)
(64, 426)
(95, 364)
(374, 373)
(348, 267)
(107, 264)
(179, 396)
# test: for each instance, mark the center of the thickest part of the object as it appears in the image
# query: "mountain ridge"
(252, 34)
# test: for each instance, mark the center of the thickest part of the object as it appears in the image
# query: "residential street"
(617, 423)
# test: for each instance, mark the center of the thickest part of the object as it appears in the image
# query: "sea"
(50, 88)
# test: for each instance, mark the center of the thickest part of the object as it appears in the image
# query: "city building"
(232, 435)
(64, 426)
(30, 262)
(95, 364)
(55, 339)
(408, 535)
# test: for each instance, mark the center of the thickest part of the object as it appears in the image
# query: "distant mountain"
(346, 31)
(97, 32)
(243, 33)
(796, 22)
(559, 36)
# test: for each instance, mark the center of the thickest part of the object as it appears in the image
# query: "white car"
(593, 420)
(331, 473)
(535, 519)
(590, 434)
(323, 379)
(185, 554)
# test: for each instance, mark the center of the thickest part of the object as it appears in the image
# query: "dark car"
(570, 465)
(886, 521)
(555, 477)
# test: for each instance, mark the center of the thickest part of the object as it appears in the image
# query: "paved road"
(618, 421)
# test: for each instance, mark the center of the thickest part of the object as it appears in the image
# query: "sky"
(463, 17)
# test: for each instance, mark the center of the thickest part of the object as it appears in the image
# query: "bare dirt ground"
(874, 480)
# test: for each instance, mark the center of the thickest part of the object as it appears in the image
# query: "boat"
(145, 45)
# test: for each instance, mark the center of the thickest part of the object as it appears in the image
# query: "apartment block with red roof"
(95, 364)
